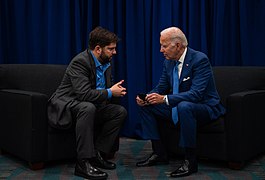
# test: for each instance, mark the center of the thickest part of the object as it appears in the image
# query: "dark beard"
(104, 59)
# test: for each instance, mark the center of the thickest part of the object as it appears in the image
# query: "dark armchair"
(239, 135)
(24, 130)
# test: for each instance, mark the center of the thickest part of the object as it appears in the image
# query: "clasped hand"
(117, 89)
(152, 98)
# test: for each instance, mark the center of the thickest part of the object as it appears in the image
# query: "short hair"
(175, 34)
(102, 37)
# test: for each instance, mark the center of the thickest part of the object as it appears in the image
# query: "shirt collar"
(97, 63)
(182, 57)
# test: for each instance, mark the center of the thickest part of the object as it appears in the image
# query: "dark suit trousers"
(97, 127)
(189, 115)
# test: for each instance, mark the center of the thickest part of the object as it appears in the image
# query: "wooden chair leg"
(36, 166)
(236, 165)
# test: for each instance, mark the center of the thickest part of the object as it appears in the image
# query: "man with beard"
(84, 97)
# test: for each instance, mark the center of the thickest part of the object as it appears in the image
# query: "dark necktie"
(175, 91)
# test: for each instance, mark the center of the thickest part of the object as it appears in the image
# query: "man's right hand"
(141, 102)
(117, 89)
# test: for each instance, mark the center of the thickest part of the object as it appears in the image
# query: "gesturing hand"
(117, 89)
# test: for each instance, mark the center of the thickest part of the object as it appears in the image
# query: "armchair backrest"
(42, 78)
(233, 79)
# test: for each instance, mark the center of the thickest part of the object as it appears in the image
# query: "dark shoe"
(84, 169)
(99, 162)
(185, 169)
(152, 160)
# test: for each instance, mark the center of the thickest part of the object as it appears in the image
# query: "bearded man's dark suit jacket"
(78, 87)
(197, 99)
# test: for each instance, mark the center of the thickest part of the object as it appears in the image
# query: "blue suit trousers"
(190, 114)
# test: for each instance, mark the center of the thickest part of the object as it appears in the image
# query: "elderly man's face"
(171, 50)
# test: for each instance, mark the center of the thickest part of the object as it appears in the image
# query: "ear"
(98, 49)
(178, 45)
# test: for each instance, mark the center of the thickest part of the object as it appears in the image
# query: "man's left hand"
(154, 98)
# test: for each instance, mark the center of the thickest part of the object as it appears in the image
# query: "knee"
(119, 117)
(87, 108)
(185, 106)
(122, 112)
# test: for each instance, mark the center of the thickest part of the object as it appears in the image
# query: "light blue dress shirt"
(100, 80)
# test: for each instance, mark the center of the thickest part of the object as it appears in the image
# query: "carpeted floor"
(130, 152)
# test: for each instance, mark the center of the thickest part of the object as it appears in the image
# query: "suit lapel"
(186, 66)
(92, 68)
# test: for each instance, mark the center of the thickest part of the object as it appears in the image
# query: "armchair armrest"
(23, 124)
(245, 124)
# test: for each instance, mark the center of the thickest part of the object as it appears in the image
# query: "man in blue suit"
(185, 95)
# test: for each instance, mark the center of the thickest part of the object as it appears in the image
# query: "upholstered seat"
(24, 130)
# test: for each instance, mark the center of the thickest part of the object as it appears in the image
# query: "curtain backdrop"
(230, 32)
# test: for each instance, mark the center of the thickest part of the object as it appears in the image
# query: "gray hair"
(176, 35)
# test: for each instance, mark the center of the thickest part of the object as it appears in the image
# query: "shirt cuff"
(109, 93)
(166, 100)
